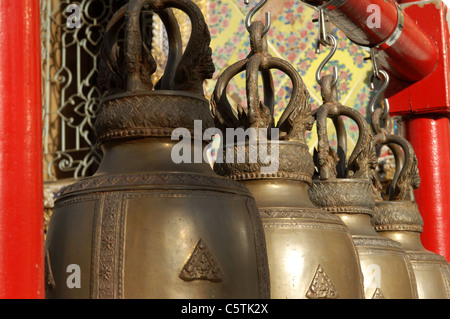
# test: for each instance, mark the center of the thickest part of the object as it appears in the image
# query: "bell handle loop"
(109, 47)
(253, 67)
(138, 59)
(139, 62)
(253, 101)
(295, 118)
(401, 187)
(197, 49)
(297, 83)
(333, 110)
(253, 11)
(377, 118)
(378, 128)
(399, 162)
(175, 49)
(341, 134)
(327, 59)
(220, 99)
(269, 90)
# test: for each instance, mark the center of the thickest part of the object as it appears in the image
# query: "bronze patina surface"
(344, 187)
(311, 253)
(145, 226)
(397, 216)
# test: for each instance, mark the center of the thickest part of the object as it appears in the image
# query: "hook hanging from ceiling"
(384, 77)
(252, 12)
(325, 39)
(332, 39)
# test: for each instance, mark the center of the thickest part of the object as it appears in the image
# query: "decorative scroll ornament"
(127, 68)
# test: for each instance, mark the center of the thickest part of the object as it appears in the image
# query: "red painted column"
(430, 137)
(21, 194)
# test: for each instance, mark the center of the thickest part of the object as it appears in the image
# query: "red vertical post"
(21, 184)
(430, 137)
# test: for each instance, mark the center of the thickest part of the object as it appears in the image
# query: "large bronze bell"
(311, 253)
(345, 189)
(397, 215)
(153, 223)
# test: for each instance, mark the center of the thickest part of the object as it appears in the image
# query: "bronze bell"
(345, 189)
(147, 224)
(311, 253)
(397, 215)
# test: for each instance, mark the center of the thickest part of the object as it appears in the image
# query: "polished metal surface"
(145, 225)
(310, 251)
(145, 229)
(397, 216)
(432, 271)
(345, 189)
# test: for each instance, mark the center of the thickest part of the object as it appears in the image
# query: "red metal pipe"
(21, 184)
(404, 49)
(430, 137)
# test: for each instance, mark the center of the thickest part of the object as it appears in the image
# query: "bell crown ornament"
(405, 180)
(288, 133)
(134, 106)
(333, 166)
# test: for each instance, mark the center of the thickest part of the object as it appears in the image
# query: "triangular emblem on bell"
(378, 294)
(153, 221)
(321, 286)
(278, 172)
(201, 265)
(397, 215)
(343, 186)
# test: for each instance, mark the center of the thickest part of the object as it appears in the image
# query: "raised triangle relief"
(321, 286)
(378, 294)
(201, 265)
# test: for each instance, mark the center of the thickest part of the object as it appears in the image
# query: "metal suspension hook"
(380, 92)
(252, 12)
(333, 41)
